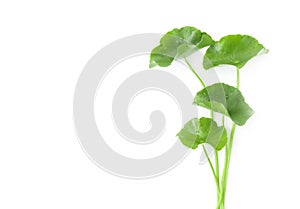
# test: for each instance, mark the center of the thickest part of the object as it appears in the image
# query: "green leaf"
(203, 130)
(178, 43)
(234, 50)
(188, 134)
(225, 99)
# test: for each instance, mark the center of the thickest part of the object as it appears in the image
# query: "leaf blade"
(234, 50)
(225, 99)
(178, 43)
(188, 134)
(203, 130)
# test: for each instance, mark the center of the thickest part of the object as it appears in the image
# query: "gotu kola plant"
(235, 50)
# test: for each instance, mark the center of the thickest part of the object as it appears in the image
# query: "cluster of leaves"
(234, 50)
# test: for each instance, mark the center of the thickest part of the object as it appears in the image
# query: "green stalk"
(237, 78)
(194, 72)
(227, 163)
(212, 168)
(228, 150)
(216, 173)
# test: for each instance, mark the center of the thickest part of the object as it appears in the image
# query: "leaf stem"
(212, 167)
(217, 165)
(192, 69)
(216, 173)
(237, 78)
(200, 79)
(227, 163)
(228, 150)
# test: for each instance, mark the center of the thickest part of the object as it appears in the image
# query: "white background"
(45, 45)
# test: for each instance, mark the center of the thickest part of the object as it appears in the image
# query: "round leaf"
(234, 50)
(178, 43)
(203, 130)
(225, 99)
(188, 134)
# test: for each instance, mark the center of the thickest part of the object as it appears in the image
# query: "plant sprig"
(235, 50)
